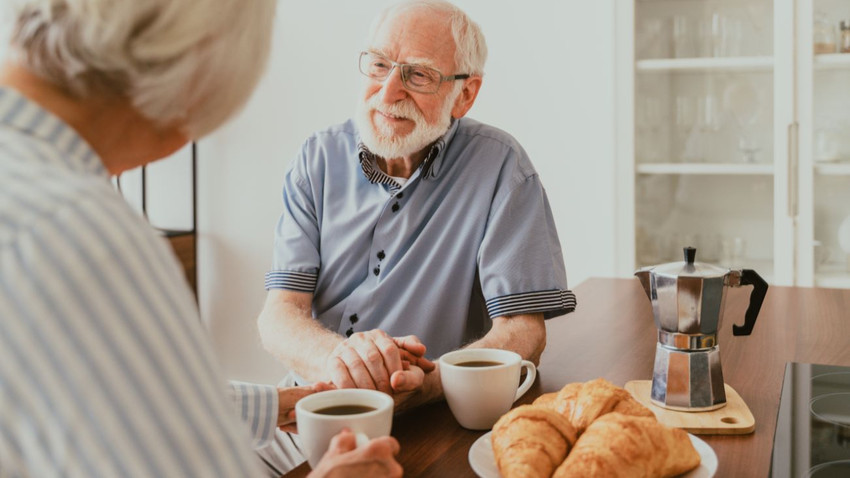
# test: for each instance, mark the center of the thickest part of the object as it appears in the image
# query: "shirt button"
(381, 255)
(395, 207)
(376, 271)
(400, 195)
(354, 318)
(349, 332)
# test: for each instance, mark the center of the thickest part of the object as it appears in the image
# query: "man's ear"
(464, 101)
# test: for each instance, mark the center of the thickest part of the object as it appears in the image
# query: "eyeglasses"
(418, 78)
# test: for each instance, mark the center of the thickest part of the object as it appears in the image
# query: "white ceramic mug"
(479, 395)
(317, 429)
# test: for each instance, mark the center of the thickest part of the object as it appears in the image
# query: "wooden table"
(612, 335)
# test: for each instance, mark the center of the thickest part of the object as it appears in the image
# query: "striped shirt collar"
(429, 169)
(25, 116)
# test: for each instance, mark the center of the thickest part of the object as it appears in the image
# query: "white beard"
(385, 142)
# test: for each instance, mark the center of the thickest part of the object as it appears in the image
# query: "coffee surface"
(345, 410)
(478, 363)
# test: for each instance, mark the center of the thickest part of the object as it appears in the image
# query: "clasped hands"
(377, 361)
(372, 360)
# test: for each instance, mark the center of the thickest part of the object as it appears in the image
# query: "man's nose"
(393, 88)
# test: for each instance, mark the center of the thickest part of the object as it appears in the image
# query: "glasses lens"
(375, 66)
(421, 78)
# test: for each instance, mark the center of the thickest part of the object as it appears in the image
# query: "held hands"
(376, 361)
(343, 459)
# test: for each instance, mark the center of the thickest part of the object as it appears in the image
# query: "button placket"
(352, 319)
(397, 205)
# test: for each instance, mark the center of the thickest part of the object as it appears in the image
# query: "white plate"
(484, 463)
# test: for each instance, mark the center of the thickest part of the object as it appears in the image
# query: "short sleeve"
(520, 262)
(296, 259)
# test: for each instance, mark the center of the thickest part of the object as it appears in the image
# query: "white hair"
(470, 46)
(191, 63)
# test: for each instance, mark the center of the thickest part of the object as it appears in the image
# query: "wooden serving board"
(733, 419)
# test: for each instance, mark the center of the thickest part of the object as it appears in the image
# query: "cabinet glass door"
(705, 132)
(824, 69)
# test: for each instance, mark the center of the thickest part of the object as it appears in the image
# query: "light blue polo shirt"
(469, 237)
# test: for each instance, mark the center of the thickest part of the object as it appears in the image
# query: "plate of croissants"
(588, 429)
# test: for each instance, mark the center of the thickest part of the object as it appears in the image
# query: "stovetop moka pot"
(687, 303)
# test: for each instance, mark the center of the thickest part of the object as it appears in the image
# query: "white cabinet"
(733, 136)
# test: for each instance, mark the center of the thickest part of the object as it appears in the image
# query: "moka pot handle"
(751, 277)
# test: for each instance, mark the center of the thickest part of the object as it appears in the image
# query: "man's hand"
(287, 397)
(374, 360)
(343, 459)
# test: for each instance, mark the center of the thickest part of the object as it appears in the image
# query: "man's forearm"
(290, 333)
(523, 334)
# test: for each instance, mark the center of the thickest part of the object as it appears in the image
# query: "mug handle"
(530, 375)
(362, 440)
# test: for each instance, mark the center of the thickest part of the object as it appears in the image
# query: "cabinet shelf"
(706, 168)
(700, 65)
(833, 169)
(832, 61)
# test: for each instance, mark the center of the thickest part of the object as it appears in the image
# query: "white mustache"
(404, 109)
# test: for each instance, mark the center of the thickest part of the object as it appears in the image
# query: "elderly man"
(411, 226)
(105, 369)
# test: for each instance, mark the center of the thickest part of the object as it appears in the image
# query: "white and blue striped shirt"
(105, 367)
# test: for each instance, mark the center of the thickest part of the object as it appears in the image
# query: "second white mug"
(481, 385)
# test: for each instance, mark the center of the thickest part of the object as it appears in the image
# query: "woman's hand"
(287, 397)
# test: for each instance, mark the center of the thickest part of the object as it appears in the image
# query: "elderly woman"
(104, 365)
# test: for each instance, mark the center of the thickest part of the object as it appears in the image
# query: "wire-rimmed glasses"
(418, 78)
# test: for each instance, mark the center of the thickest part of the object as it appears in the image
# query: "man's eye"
(379, 65)
(421, 76)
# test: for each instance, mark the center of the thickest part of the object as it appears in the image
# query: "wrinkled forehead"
(415, 35)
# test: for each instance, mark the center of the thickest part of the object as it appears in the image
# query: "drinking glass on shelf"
(709, 123)
(732, 251)
(686, 137)
(683, 41)
(720, 36)
(709, 113)
(733, 36)
(744, 103)
(711, 35)
(826, 139)
(822, 254)
(649, 117)
(651, 39)
(749, 146)
(684, 113)
(708, 245)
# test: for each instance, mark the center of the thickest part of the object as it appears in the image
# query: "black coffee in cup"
(345, 410)
(478, 363)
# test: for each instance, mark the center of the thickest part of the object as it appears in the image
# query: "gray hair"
(470, 46)
(187, 62)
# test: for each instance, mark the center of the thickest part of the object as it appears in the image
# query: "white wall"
(549, 81)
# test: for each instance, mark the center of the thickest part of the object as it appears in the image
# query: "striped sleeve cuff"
(257, 406)
(291, 280)
(551, 303)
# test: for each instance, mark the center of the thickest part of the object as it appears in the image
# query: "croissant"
(618, 445)
(531, 441)
(582, 403)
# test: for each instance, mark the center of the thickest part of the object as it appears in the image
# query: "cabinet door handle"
(793, 157)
